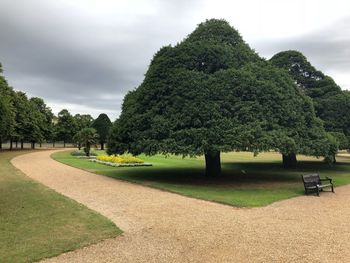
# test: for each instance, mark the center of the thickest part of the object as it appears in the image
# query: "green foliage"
(30, 122)
(212, 93)
(88, 137)
(66, 126)
(83, 121)
(310, 80)
(341, 139)
(102, 125)
(326, 94)
(7, 114)
(44, 116)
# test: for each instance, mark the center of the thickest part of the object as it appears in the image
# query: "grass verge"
(247, 181)
(37, 222)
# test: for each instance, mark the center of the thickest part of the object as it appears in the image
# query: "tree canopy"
(102, 125)
(7, 115)
(211, 93)
(326, 94)
(66, 126)
(87, 136)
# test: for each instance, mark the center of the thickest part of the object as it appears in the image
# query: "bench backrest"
(311, 179)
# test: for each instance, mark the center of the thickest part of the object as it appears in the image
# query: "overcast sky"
(84, 55)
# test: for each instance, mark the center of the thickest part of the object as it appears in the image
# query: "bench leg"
(332, 189)
(318, 191)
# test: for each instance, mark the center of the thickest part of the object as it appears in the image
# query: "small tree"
(88, 137)
(66, 126)
(102, 125)
(77, 138)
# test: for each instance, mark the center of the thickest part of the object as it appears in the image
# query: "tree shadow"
(234, 174)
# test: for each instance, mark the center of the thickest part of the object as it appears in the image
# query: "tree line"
(24, 119)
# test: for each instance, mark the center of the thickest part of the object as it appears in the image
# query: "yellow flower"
(119, 159)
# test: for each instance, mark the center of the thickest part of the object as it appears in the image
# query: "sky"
(85, 55)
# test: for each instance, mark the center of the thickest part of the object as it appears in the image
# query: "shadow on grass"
(233, 174)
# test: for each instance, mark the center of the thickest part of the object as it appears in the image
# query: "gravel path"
(164, 227)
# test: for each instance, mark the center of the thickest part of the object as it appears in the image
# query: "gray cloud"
(67, 56)
(87, 61)
(327, 49)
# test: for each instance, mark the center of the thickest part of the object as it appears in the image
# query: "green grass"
(247, 181)
(36, 222)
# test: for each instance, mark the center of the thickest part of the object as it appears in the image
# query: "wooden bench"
(313, 183)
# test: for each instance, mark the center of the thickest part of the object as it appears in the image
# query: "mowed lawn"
(247, 181)
(36, 222)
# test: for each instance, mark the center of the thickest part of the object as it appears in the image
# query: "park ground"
(164, 227)
(247, 181)
(37, 222)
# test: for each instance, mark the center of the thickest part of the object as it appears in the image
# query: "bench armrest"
(327, 179)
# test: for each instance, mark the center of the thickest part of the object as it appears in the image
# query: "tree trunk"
(33, 145)
(0, 143)
(11, 142)
(16, 144)
(53, 144)
(79, 146)
(212, 164)
(21, 144)
(289, 160)
(64, 144)
(87, 149)
(102, 146)
(330, 160)
(40, 144)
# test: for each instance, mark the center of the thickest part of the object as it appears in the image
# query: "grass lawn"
(36, 222)
(247, 181)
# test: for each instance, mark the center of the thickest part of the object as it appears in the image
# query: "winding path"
(164, 227)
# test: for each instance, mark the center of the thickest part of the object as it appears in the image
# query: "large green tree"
(211, 93)
(102, 125)
(331, 103)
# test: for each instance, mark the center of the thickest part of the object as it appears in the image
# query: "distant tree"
(312, 81)
(7, 114)
(77, 139)
(102, 125)
(44, 118)
(88, 137)
(26, 128)
(327, 96)
(83, 121)
(211, 93)
(65, 127)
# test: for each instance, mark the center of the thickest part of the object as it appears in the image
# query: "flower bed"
(120, 160)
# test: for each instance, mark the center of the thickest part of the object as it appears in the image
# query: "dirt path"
(165, 227)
